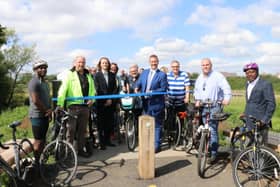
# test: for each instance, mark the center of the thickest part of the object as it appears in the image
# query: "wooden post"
(146, 154)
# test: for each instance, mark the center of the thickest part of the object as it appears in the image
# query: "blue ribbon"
(115, 96)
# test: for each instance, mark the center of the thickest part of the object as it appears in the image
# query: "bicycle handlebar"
(65, 113)
(208, 103)
(256, 121)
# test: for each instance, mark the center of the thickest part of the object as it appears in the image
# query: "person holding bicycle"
(132, 80)
(214, 86)
(178, 87)
(78, 83)
(40, 112)
(260, 99)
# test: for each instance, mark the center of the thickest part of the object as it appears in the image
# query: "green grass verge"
(9, 116)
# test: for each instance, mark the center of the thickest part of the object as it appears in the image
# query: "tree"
(16, 56)
(4, 79)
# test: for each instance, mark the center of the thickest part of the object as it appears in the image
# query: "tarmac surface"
(116, 166)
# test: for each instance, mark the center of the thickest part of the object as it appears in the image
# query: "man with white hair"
(78, 83)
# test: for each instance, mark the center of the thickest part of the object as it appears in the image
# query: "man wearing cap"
(260, 99)
(40, 106)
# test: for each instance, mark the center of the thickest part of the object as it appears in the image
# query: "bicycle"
(203, 131)
(192, 124)
(241, 138)
(23, 160)
(131, 107)
(172, 126)
(58, 161)
(256, 165)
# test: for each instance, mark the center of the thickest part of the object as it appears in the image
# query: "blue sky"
(231, 33)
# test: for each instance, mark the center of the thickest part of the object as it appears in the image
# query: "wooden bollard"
(146, 154)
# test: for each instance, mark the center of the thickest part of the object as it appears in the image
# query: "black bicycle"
(241, 138)
(191, 141)
(172, 126)
(256, 165)
(58, 161)
(23, 158)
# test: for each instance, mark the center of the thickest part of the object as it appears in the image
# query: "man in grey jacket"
(260, 99)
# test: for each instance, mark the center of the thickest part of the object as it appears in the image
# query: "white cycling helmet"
(39, 63)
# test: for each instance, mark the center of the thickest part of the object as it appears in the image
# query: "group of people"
(80, 82)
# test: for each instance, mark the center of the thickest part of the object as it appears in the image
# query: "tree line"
(13, 82)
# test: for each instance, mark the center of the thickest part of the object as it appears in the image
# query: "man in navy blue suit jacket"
(153, 105)
(260, 99)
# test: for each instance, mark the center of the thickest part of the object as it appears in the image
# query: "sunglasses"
(42, 67)
(203, 86)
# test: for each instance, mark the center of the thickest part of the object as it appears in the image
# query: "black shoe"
(158, 150)
(111, 144)
(212, 159)
(101, 147)
(83, 154)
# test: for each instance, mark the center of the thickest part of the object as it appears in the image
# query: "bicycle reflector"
(182, 115)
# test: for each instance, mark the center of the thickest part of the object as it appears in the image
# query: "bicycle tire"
(130, 133)
(264, 172)
(173, 131)
(239, 143)
(7, 176)
(25, 157)
(58, 163)
(178, 128)
(188, 136)
(202, 154)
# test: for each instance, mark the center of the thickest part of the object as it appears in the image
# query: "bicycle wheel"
(202, 154)
(25, 157)
(58, 163)
(130, 132)
(7, 178)
(239, 142)
(257, 168)
(188, 136)
(174, 132)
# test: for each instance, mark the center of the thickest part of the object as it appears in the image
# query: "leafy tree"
(16, 56)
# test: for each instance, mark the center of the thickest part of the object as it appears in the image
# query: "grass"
(9, 116)
(237, 106)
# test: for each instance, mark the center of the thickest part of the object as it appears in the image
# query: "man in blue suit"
(153, 80)
(260, 99)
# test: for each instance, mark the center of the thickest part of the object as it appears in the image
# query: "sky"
(231, 33)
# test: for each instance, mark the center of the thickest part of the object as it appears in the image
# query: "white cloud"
(275, 31)
(53, 24)
(269, 48)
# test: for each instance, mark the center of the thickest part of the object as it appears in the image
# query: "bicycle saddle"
(15, 124)
(221, 116)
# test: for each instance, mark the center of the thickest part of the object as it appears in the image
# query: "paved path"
(118, 167)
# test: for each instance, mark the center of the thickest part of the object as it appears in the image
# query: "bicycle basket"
(127, 103)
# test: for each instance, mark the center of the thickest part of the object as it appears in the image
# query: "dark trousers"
(76, 128)
(105, 123)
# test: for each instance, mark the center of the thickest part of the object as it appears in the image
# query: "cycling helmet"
(251, 65)
(39, 63)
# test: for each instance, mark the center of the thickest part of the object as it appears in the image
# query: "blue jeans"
(213, 124)
(159, 116)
